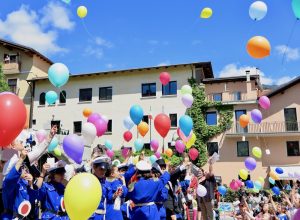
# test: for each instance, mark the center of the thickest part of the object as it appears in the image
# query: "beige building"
(19, 64)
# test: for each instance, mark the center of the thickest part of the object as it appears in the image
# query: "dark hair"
(143, 174)
(110, 170)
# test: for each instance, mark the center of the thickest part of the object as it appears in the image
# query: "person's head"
(242, 207)
(201, 173)
(279, 208)
(24, 171)
(265, 208)
(123, 169)
(143, 170)
(113, 172)
(100, 166)
(58, 175)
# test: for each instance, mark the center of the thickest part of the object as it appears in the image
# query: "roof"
(205, 65)
(229, 79)
(24, 48)
(283, 87)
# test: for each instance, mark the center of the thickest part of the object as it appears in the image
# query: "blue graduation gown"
(162, 196)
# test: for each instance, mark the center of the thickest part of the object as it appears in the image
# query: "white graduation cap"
(143, 166)
(58, 165)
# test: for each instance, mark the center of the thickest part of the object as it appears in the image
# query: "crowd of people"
(138, 192)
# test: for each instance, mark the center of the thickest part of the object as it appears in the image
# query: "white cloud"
(289, 53)
(109, 66)
(57, 16)
(23, 27)
(95, 52)
(165, 63)
(101, 42)
(284, 80)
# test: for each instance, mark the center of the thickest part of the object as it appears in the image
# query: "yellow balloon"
(256, 151)
(261, 180)
(57, 152)
(243, 174)
(206, 13)
(191, 142)
(135, 160)
(274, 175)
(82, 196)
(81, 11)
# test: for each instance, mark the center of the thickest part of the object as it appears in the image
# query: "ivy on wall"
(3, 83)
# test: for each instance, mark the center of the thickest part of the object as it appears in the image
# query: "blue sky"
(121, 34)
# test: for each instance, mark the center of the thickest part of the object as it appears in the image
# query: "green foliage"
(118, 156)
(202, 131)
(3, 83)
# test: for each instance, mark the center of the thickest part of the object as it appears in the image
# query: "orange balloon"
(143, 128)
(274, 175)
(244, 120)
(168, 152)
(87, 112)
(258, 47)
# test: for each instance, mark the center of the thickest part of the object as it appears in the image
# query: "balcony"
(233, 98)
(11, 68)
(265, 129)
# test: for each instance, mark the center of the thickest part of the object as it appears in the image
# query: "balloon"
(139, 144)
(243, 174)
(179, 145)
(256, 116)
(297, 214)
(101, 127)
(191, 142)
(154, 144)
(183, 137)
(258, 10)
(94, 117)
(89, 133)
(74, 147)
(261, 180)
(58, 74)
(249, 184)
(264, 102)
(110, 154)
(136, 114)
(127, 136)
(291, 175)
(296, 9)
(271, 180)
(157, 154)
(250, 163)
(256, 151)
(297, 175)
(239, 183)
(164, 78)
(51, 97)
(168, 152)
(143, 128)
(187, 100)
(125, 152)
(128, 123)
(152, 159)
(105, 119)
(57, 151)
(244, 120)
(193, 153)
(53, 144)
(108, 144)
(258, 47)
(186, 89)
(257, 185)
(41, 135)
(186, 124)
(222, 190)
(7, 93)
(162, 124)
(234, 186)
(206, 13)
(279, 170)
(87, 112)
(82, 196)
(81, 11)
(276, 190)
(274, 175)
(201, 191)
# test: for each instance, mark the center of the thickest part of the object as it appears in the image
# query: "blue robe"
(162, 196)
(145, 191)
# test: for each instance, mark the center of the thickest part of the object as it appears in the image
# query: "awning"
(287, 171)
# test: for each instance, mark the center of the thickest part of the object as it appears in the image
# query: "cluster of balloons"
(236, 184)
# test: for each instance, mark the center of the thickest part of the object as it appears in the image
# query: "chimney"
(248, 75)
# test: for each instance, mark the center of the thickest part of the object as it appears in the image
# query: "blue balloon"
(136, 114)
(276, 190)
(128, 123)
(139, 144)
(53, 144)
(58, 74)
(222, 190)
(186, 124)
(258, 185)
(108, 144)
(152, 159)
(249, 184)
(279, 170)
(51, 97)
(271, 180)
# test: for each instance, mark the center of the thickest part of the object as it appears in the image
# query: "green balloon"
(186, 89)
(296, 8)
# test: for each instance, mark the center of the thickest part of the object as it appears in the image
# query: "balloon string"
(289, 40)
(87, 31)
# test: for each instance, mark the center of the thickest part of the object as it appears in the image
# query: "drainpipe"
(32, 92)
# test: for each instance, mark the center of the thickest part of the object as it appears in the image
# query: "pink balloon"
(193, 153)
(125, 152)
(164, 78)
(41, 135)
(154, 144)
(110, 154)
(101, 127)
(182, 136)
(264, 102)
(239, 183)
(297, 215)
(157, 154)
(179, 145)
(187, 100)
(94, 117)
(233, 185)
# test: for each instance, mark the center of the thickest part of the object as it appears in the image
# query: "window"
(239, 128)
(217, 97)
(85, 95)
(109, 126)
(237, 96)
(42, 100)
(34, 122)
(148, 89)
(173, 118)
(62, 97)
(293, 148)
(211, 118)
(242, 148)
(290, 116)
(212, 147)
(146, 119)
(105, 93)
(77, 127)
(10, 58)
(170, 88)
(12, 83)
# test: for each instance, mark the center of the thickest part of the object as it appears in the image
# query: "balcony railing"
(266, 128)
(231, 97)
(11, 68)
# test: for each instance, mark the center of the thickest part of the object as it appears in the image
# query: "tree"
(3, 83)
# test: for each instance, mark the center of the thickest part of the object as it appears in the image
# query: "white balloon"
(201, 191)
(297, 174)
(104, 117)
(89, 132)
(128, 123)
(258, 10)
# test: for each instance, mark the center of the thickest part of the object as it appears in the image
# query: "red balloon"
(162, 124)
(127, 136)
(164, 78)
(193, 153)
(12, 118)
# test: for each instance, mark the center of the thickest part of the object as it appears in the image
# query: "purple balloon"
(154, 144)
(187, 100)
(101, 127)
(94, 117)
(73, 146)
(264, 102)
(256, 116)
(250, 163)
(297, 215)
(179, 145)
